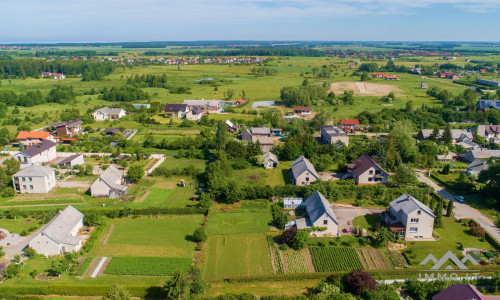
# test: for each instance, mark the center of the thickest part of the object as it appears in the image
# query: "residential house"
(469, 145)
(246, 136)
(451, 75)
(142, 105)
(302, 110)
(319, 213)
(350, 125)
(475, 167)
(270, 160)
(293, 203)
(71, 161)
(481, 153)
(41, 153)
(34, 180)
(261, 131)
(213, 106)
(239, 102)
(483, 105)
(489, 132)
(59, 236)
(200, 104)
(194, 114)
(302, 172)
(447, 157)
(366, 170)
(30, 138)
(68, 128)
(231, 127)
(266, 142)
(457, 135)
(410, 218)
(334, 136)
(107, 113)
(176, 110)
(462, 292)
(487, 82)
(109, 184)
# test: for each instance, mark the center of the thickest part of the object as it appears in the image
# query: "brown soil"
(253, 177)
(396, 246)
(143, 197)
(309, 261)
(363, 88)
(92, 267)
(363, 261)
(106, 238)
(286, 269)
(379, 259)
(45, 277)
(104, 266)
(371, 264)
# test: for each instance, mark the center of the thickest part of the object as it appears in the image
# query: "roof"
(113, 131)
(261, 130)
(70, 159)
(195, 102)
(110, 111)
(362, 164)
(270, 156)
(484, 153)
(449, 156)
(214, 103)
(60, 227)
(396, 226)
(462, 292)
(455, 133)
(175, 107)
(300, 165)
(317, 206)
(487, 104)
(302, 108)
(349, 122)
(113, 177)
(22, 135)
(477, 165)
(333, 131)
(38, 148)
(263, 140)
(196, 111)
(34, 171)
(68, 123)
(484, 130)
(409, 204)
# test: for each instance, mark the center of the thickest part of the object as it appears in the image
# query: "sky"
(47, 21)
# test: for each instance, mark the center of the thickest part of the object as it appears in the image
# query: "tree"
(384, 236)
(89, 169)
(177, 287)
(288, 235)
(438, 221)
(228, 95)
(206, 200)
(12, 271)
(358, 281)
(197, 285)
(91, 218)
(135, 173)
(2, 253)
(449, 208)
(365, 77)
(301, 239)
(200, 235)
(446, 169)
(447, 138)
(117, 292)
(405, 175)
(30, 252)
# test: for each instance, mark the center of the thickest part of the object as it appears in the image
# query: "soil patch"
(309, 261)
(253, 177)
(363, 88)
(143, 197)
(104, 266)
(379, 259)
(106, 238)
(362, 258)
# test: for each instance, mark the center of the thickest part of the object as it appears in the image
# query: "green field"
(158, 197)
(236, 255)
(334, 259)
(153, 266)
(238, 222)
(155, 236)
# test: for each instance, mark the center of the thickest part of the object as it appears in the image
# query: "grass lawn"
(156, 236)
(19, 224)
(238, 222)
(367, 222)
(451, 234)
(236, 255)
(263, 288)
(159, 197)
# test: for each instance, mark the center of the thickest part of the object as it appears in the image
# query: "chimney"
(375, 158)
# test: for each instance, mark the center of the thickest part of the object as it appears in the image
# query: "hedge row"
(78, 290)
(493, 242)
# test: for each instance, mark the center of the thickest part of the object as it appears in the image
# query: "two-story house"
(107, 113)
(410, 218)
(303, 172)
(366, 170)
(68, 128)
(333, 135)
(30, 138)
(41, 153)
(319, 213)
(34, 180)
(176, 110)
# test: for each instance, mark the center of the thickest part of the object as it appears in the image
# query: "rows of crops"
(154, 266)
(85, 265)
(296, 261)
(275, 256)
(395, 259)
(333, 259)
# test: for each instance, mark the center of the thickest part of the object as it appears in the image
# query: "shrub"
(200, 235)
(357, 281)
(288, 235)
(30, 252)
(301, 240)
(284, 247)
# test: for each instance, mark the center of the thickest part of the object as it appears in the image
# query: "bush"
(301, 240)
(357, 282)
(200, 235)
(288, 235)
(30, 252)
(284, 247)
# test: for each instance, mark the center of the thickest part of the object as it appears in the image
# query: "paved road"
(463, 210)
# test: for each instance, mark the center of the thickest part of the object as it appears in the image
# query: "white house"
(107, 113)
(410, 218)
(41, 153)
(59, 235)
(319, 214)
(71, 161)
(109, 184)
(303, 172)
(34, 180)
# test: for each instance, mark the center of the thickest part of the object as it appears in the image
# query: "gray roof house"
(59, 236)
(487, 104)
(41, 153)
(109, 184)
(481, 153)
(302, 172)
(71, 161)
(410, 218)
(261, 131)
(107, 113)
(319, 214)
(458, 135)
(34, 180)
(246, 136)
(488, 131)
(475, 167)
(270, 160)
(334, 135)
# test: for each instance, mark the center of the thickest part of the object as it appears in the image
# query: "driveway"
(463, 210)
(346, 213)
(14, 249)
(74, 184)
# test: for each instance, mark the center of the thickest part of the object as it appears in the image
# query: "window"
(325, 222)
(24, 187)
(419, 212)
(370, 172)
(31, 187)
(413, 229)
(30, 179)
(23, 179)
(414, 221)
(307, 178)
(370, 179)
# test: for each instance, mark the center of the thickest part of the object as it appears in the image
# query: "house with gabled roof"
(484, 104)
(194, 114)
(41, 153)
(462, 292)
(59, 236)
(67, 128)
(481, 153)
(270, 160)
(457, 135)
(200, 104)
(34, 180)
(71, 161)
(488, 132)
(109, 184)
(302, 172)
(475, 167)
(302, 110)
(366, 170)
(30, 138)
(176, 110)
(246, 136)
(319, 213)
(107, 113)
(350, 125)
(410, 218)
(261, 131)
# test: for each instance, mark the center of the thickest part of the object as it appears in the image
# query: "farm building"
(488, 82)
(270, 160)
(109, 184)
(293, 203)
(475, 167)
(59, 236)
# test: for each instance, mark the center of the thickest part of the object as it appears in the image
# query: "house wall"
(424, 227)
(332, 226)
(193, 117)
(366, 176)
(99, 116)
(99, 189)
(41, 185)
(301, 180)
(44, 245)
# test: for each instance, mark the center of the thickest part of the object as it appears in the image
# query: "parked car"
(459, 199)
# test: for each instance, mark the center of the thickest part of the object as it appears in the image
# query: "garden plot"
(363, 88)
